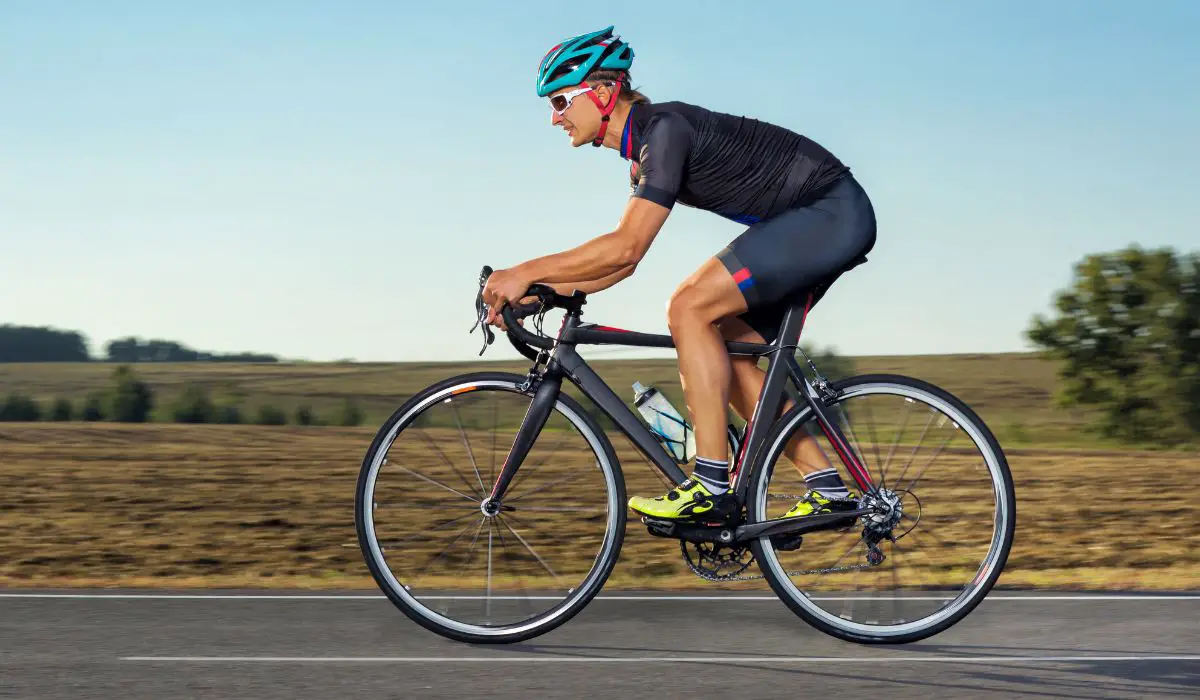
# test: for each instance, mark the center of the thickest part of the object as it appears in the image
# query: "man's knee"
(685, 307)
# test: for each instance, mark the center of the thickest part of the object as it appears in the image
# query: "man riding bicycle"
(809, 221)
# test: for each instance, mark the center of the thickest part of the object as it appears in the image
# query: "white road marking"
(655, 659)
(641, 598)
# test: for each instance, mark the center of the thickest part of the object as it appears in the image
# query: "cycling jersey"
(809, 219)
(738, 167)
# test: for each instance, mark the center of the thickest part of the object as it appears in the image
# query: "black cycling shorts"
(778, 262)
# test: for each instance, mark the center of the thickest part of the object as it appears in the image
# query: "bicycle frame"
(562, 360)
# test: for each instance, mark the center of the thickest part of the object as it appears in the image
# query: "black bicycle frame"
(562, 360)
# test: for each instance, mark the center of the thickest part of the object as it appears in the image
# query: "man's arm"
(592, 286)
(604, 256)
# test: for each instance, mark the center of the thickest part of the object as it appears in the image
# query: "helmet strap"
(605, 111)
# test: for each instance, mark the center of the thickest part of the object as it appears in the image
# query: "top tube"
(575, 333)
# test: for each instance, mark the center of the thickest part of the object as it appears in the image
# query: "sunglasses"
(560, 103)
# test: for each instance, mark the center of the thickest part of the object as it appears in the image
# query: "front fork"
(544, 398)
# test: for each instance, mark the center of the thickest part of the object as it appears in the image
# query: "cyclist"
(808, 221)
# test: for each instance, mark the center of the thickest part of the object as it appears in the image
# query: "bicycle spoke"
(922, 471)
(530, 549)
(874, 440)
(495, 430)
(574, 477)
(519, 576)
(435, 482)
(552, 509)
(422, 433)
(488, 606)
(908, 404)
(425, 533)
(526, 471)
(924, 432)
(435, 557)
(474, 542)
(467, 444)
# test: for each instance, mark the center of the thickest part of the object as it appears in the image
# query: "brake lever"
(481, 312)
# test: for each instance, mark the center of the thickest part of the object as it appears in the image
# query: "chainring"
(715, 562)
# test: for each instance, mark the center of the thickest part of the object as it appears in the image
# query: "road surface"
(250, 644)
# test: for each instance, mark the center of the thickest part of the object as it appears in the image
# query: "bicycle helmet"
(570, 62)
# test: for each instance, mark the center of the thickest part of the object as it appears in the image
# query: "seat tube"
(770, 396)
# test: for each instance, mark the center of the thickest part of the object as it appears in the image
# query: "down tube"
(592, 385)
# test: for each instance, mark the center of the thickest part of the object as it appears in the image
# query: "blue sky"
(325, 179)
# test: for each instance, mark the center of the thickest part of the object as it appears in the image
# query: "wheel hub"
(489, 507)
(888, 510)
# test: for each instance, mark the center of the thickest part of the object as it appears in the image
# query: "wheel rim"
(523, 600)
(858, 603)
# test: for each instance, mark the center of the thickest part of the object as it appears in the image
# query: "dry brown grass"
(217, 506)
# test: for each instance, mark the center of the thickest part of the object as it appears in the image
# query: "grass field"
(213, 506)
(163, 504)
(1012, 392)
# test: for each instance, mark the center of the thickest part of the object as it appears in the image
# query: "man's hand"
(502, 287)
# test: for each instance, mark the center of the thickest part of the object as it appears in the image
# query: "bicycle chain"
(704, 574)
(807, 572)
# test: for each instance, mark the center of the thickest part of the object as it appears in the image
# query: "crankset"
(713, 562)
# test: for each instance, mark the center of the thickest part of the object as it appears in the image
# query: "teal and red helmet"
(570, 62)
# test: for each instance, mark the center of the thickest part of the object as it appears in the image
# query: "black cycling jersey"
(738, 167)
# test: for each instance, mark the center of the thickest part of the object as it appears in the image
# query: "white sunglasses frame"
(570, 98)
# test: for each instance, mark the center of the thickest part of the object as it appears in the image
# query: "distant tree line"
(41, 344)
(44, 344)
(130, 400)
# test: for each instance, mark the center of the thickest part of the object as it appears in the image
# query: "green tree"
(304, 416)
(93, 407)
(18, 407)
(350, 413)
(1127, 334)
(132, 399)
(62, 410)
(193, 406)
(270, 415)
(41, 344)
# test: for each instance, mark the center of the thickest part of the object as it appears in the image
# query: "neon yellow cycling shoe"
(817, 502)
(688, 501)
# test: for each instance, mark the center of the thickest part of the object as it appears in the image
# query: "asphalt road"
(104, 645)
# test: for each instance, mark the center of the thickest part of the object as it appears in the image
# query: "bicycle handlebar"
(522, 339)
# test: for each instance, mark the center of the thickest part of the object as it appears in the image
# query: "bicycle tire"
(826, 622)
(577, 599)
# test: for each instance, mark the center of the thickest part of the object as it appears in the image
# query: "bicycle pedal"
(659, 528)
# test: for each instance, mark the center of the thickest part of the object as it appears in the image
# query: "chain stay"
(716, 578)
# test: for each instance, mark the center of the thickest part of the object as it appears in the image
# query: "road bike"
(486, 555)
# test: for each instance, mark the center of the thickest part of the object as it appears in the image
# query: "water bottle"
(665, 422)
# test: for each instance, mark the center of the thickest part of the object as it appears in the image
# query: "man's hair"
(628, 94)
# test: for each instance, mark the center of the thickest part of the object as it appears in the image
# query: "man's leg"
(708, 295)
(704, 364)
(747, 379)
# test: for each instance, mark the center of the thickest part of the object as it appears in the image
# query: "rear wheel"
(946, 497)
(431, 540)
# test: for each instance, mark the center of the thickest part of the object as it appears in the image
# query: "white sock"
(714, 474)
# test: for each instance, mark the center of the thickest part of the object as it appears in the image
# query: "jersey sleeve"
(663, 159)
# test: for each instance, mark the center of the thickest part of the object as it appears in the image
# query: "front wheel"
(942, 531)
(459, 566)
